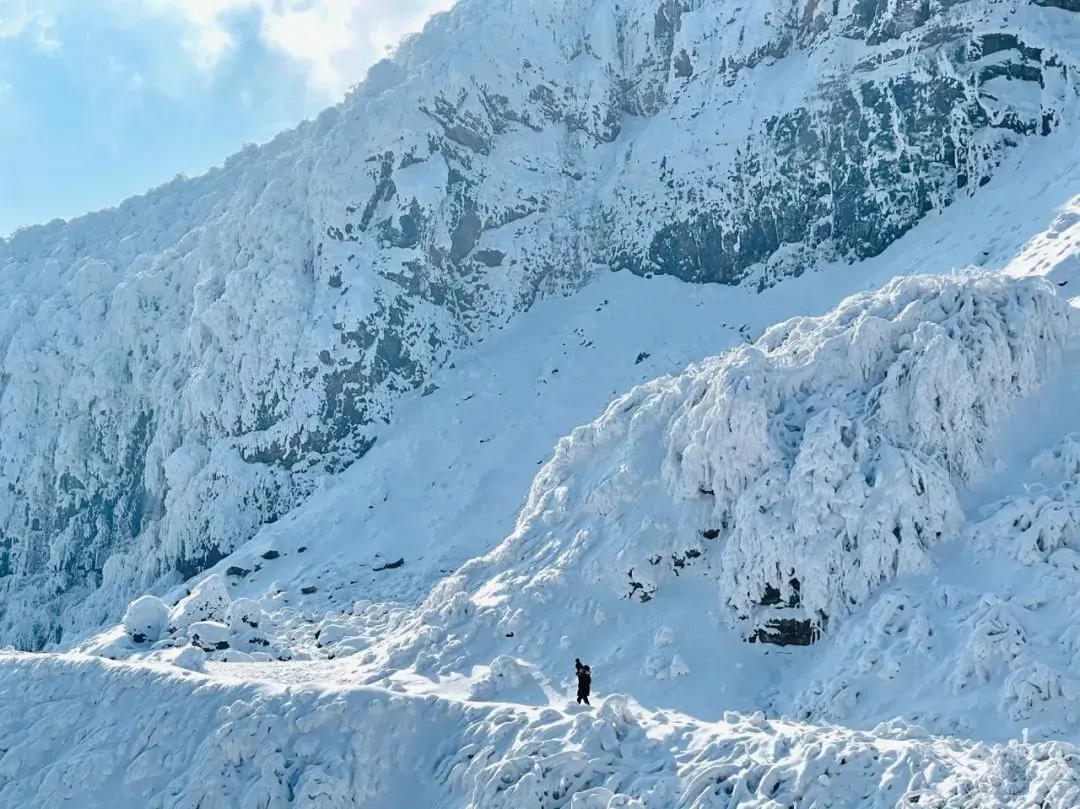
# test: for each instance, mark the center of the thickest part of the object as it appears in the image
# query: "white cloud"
(334, 40)
(15, 18)
(31, 19)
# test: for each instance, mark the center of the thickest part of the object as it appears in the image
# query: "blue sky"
(102, 99)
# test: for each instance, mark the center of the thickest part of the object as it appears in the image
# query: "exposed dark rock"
(639, 591)
(786, 632)
(683, 67)
(773, 597)
(1067, 5)
(235, 570)
(193, 566)
(269, 555)
(490, 258)
(390, 565)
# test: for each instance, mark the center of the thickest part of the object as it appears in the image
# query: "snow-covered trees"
(146, 619)
(804, 470)
(208, 601)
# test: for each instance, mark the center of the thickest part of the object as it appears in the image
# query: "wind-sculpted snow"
(74, 730)
(190, 366)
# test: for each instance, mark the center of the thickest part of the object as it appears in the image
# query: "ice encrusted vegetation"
(803, 471)
(196, 363)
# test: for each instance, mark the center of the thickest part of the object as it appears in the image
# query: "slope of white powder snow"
(447, 478)
(612, 562)
(457, 714)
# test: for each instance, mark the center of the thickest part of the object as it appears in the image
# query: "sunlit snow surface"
(939, 404)
(951, 676)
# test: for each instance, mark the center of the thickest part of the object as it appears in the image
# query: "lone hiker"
(584, 681)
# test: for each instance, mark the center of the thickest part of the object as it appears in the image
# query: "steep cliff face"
(192, 364)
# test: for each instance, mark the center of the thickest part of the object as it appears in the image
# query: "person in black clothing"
(584, 682)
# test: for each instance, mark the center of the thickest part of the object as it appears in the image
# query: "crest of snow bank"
(805, 469)
(149, 737)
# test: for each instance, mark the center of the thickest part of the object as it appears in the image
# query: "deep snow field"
(618, 477)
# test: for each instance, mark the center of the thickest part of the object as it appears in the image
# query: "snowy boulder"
(351, 645)
(508, 678)
(330, 632)
(233, 656)
(146, 619)
(244, 614)
(113, 644)
(210, 636)
(209, 601)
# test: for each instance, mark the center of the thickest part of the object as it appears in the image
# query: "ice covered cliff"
(193, 364)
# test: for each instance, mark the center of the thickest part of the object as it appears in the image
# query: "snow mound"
(168, 739)
(803, 471)
(210, 636)
(206, 624)
(508, 680)
(208, 601)
(245, 614)
(146, 619)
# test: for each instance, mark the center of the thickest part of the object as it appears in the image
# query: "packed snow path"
(164, 739)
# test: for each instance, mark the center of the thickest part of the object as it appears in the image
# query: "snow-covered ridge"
(192, 365)
(170, 740)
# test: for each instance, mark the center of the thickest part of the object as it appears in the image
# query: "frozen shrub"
(210, 636)
(822, 461)
(146, 619)
(209, 601)
(244, 614)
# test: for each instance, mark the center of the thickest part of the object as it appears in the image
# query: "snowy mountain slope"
(641, 647)
(504, 739)
(194, 364)
(169, 740)
(616, 560)
(889, 663)
(443, 484)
